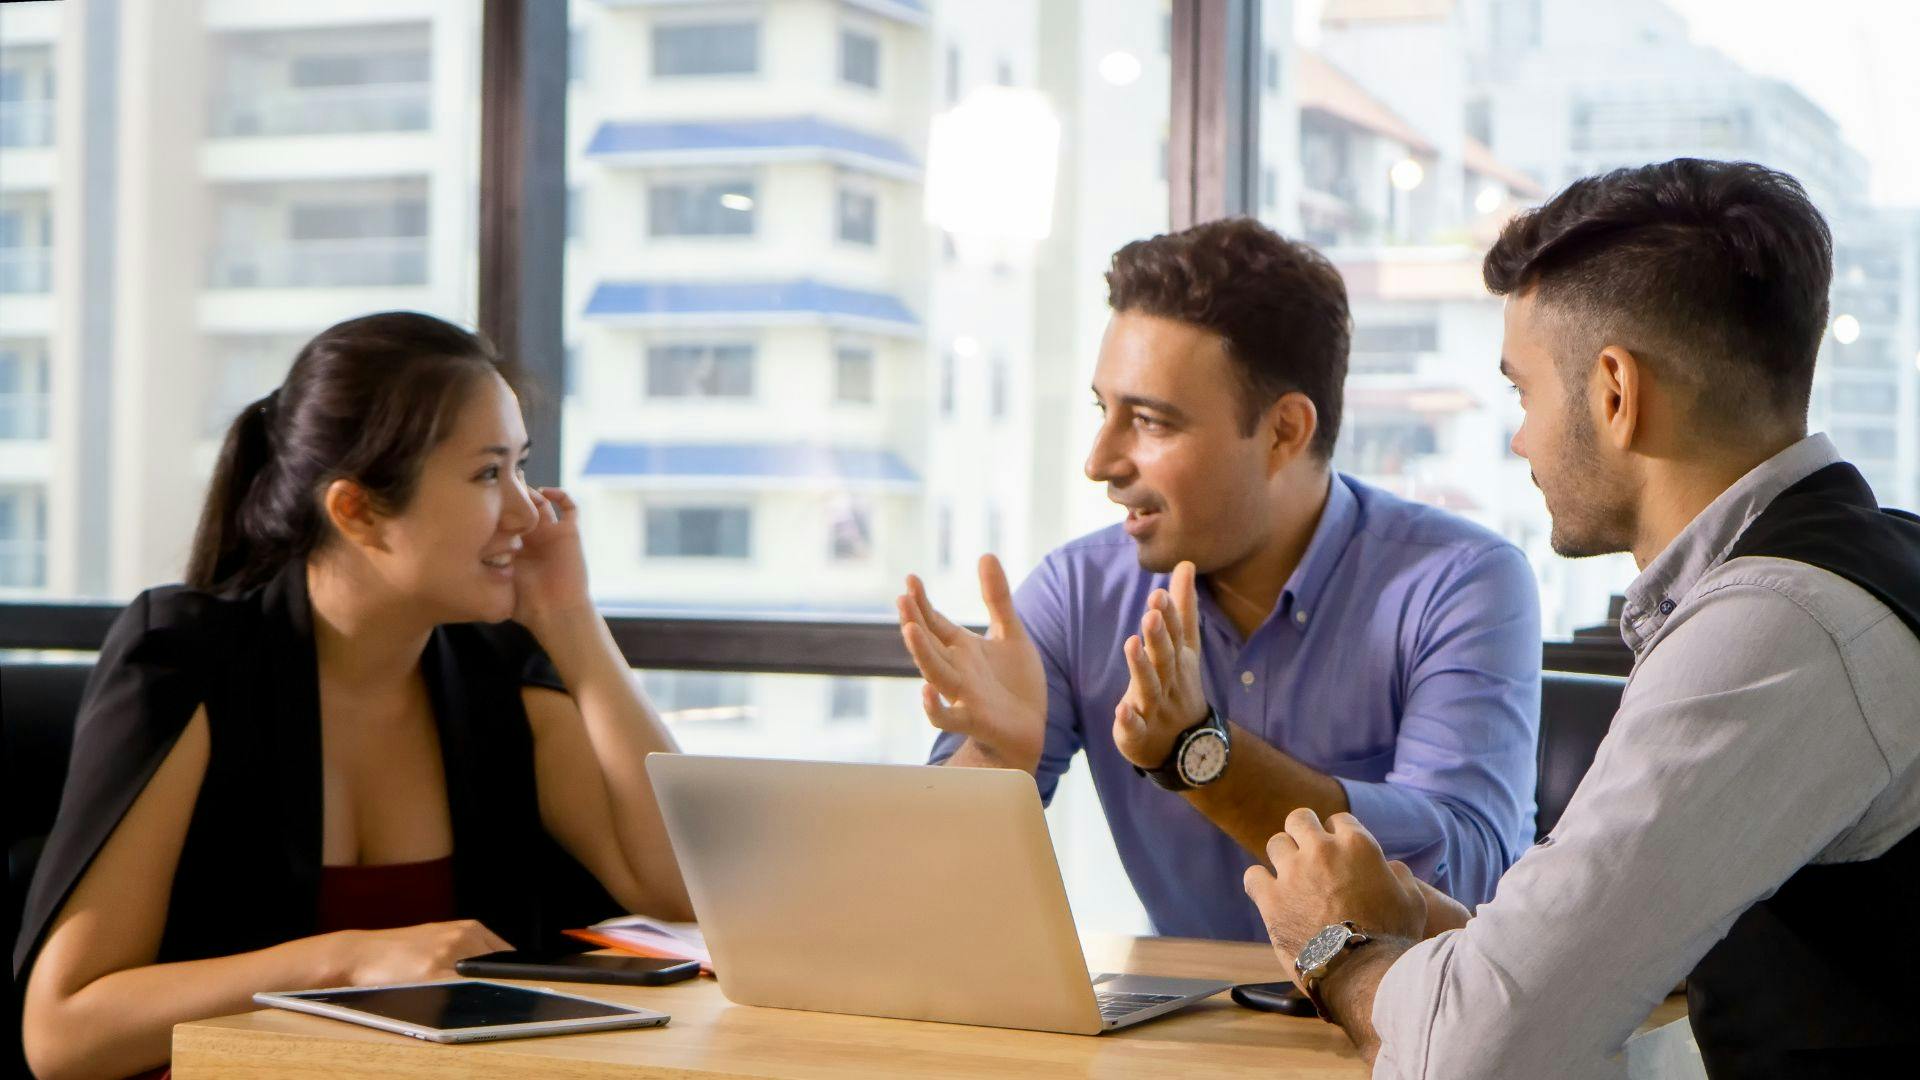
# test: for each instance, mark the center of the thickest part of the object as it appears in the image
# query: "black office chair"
(38, 704)
(1574, 713)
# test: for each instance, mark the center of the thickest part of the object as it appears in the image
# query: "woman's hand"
(410, 954)
(550, 574)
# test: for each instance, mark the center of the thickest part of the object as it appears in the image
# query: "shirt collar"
(1704, 543)
(1339, 520)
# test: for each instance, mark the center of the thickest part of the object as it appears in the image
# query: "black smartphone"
(1280, 997)
(579, 967)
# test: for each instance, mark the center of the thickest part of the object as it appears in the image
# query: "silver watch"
(1319, 955)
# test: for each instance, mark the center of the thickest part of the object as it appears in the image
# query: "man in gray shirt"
(1752, 820)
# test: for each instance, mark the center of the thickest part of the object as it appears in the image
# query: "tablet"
(464, 1010)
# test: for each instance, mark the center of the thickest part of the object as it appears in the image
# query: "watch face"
(1203, 758)
(1323, 947)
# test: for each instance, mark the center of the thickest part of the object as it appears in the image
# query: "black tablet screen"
(464, 1005)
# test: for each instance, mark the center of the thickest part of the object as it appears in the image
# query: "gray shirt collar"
(1704, 543)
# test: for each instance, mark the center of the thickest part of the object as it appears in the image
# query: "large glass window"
(860, 58)
(700, 370)
(1404, 172)
(323, 164)
(699, 532)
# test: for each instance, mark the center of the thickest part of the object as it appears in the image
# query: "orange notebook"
(642, 936)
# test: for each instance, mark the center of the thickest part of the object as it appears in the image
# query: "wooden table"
(711, 1037)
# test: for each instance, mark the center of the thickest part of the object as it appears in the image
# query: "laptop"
(908, 891)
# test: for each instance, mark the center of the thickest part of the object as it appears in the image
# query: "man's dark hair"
(1714, 273)
(1280, 306)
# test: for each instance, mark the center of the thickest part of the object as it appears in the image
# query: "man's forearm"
(1349, 991)
(973, 755)
(1261, 787)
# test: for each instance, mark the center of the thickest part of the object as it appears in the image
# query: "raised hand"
(550, 573)
(1165, 694)
(990, 689)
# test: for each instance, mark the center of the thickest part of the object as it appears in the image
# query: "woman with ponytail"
(379, 728)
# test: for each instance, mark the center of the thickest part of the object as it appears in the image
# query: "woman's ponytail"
(222, 550)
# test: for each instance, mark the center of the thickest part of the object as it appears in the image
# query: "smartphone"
(1280, 997)
(579, 967)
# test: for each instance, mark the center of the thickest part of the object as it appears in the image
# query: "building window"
(859, 58)
(357, 221)
(859, 216)
(850, 536)
(700, 696)
(698, 532)
(847, 699)
(993, 529)
(853, 375)
(947, 365)
(997, 388)
(1270, 69)
(360, 69)
(701, 208)
(574, 209)
(1003, 72)
(700, 370)
(576, 55)
(1270, 187)
(731, 48)
(23, 538)
(23, 392)
(953, 75)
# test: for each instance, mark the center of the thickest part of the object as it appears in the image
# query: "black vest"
(1819, 979)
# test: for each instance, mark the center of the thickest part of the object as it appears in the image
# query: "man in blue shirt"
(1358, 652)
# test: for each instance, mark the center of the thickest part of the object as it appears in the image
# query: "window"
(993, 528)
(848, 699)
(700, 371)
(853, 375)
(701, 208)
(576, 55)
(352, 221)
(1270, 69)
(997, 388)
(943, 538)
(23, 390)
(320, 234)
(574, 211)
(698, 532)
(953, 75)
(700, 697)
(23, 537)
(859, 58)
(1003, 72)
(947, 365)
(851, 533)
(731, 48)
(859, 217)
(347, 69)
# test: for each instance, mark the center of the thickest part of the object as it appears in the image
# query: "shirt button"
(1300, 617)
(1666, 607)
(1246, 678)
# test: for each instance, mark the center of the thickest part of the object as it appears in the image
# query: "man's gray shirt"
(1772, 720)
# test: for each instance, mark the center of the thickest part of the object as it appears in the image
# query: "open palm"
(988, 687)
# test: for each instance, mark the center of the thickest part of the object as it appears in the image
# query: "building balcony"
(26, 123)
(321, 264)
(331, 110)
(26, 269)
(23, 416)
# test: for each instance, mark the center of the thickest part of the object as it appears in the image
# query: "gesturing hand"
(1166, 694)
(990, 689)
(550, 573)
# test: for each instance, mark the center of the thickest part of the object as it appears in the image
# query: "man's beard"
(1591, 513)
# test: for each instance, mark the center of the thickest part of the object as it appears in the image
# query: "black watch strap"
(1167, 773)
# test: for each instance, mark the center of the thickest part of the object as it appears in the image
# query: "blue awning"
(682, 142)
(736, 303)
(750, 464)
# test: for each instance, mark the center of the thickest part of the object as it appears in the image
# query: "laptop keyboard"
(1117, 1006)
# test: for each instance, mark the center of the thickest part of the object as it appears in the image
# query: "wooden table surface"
(711, 1037)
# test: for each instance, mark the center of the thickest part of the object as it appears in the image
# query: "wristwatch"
(1199, 756)
(1320, 954)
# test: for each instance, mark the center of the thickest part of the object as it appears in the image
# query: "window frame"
(1212, 166)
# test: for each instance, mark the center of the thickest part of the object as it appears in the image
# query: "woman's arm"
(590, 750)
(98, 1006)
(590, 745)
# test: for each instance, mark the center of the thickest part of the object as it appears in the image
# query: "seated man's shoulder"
(1422, 532)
